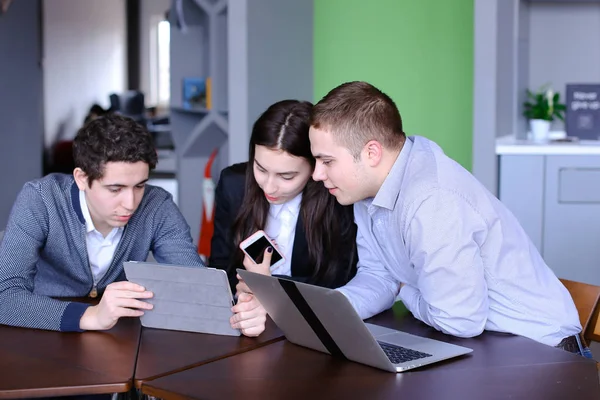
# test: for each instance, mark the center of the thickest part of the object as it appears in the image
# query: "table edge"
(139, 382)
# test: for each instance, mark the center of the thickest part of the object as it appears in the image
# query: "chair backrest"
(131, 103)
(115, 103)
(585, 297)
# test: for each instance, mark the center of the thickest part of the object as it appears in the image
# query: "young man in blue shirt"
(429, 233)
(68, 236)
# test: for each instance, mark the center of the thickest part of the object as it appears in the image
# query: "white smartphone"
(255, 245)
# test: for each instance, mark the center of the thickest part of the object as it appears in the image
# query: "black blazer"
(229, 195)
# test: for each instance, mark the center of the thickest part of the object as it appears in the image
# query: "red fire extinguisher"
(207, 226)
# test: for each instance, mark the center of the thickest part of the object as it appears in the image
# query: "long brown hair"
(328, 227)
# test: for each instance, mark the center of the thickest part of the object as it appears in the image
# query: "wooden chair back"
(585, 297)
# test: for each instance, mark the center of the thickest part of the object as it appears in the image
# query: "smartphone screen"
(257, 249)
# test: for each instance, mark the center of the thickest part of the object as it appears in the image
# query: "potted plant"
(541, 108)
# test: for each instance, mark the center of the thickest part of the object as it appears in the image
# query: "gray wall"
(563, 45)
(21, 100)
(149, 11)
(270, 59)
(523, 44)
(85, 59)
(506, 67)
(484, 92)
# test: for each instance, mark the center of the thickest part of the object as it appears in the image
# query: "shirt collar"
(292, 206)
(89, 224)
(390, 190)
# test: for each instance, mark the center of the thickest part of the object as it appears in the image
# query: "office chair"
(585, 297)
(130, 104)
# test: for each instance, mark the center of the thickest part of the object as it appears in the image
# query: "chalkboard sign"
(583, 111)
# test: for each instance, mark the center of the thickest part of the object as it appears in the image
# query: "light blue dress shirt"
(466, 262)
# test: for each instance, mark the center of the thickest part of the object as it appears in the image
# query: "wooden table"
(37, 363)
(501, 366)
(165, 352)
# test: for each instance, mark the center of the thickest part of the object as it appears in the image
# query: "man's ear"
(80, 178)
(373, 153)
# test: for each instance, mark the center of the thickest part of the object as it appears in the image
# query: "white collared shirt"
(465, 261)
(281, 227)
(100, 249)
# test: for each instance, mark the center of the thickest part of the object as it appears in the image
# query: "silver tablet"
(192, 299)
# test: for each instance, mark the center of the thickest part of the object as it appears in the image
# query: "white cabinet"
(557, 200)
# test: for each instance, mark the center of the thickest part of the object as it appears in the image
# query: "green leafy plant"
(543, 104)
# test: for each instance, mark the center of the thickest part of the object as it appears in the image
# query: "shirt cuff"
(72, 316)
(409, 296)
(348, 297)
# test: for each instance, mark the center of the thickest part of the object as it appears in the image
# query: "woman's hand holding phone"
(255, 246)
(249, 315)
(260, 256)
(263, 268)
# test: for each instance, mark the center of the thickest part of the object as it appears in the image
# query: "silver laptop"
(324, 320)
(193, 299)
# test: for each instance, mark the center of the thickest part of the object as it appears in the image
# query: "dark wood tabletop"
(164, 352)
(501, 366)
(37, 363)
(491, 349)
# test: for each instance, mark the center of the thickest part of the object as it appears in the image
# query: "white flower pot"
(539, 130)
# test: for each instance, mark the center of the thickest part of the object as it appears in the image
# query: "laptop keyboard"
(398, 354)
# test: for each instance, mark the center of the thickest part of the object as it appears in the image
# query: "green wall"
(419, 52)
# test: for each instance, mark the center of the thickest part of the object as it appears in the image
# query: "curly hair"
(112, 138)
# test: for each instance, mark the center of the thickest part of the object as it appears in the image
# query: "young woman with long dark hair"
(274, 191)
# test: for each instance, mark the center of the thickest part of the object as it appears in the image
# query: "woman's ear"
(80, 178)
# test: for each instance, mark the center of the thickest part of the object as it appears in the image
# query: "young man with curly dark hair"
(68, 236)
